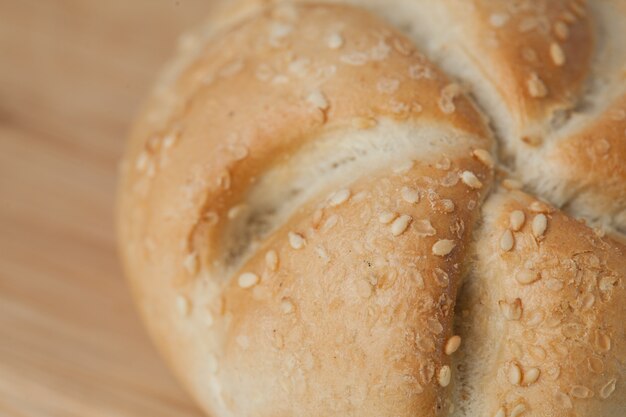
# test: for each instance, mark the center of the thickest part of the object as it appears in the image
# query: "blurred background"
(72, 75)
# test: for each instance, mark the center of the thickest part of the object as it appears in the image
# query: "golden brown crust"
(591, 164)
(553, 307)
(537, 55)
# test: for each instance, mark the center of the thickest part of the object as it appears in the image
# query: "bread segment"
(543, 322)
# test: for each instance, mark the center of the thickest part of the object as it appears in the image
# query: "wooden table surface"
(72, 74)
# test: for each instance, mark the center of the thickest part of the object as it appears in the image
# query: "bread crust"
(568, 340)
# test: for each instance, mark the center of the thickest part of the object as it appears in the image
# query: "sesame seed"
(526, 276)
(363, 122)
(271, 260)
(563, 399)
(387, 85)
(322, 253)
(300, 67)
(410, 195)
(183, 305)
(334, 41)
(420, 71)
(403, 46)
(557, 54)
(386, 217)
(470, 179)
(537, 352)
(419, 280)
(602, 341)
(484, 156)
(539, 207)
(364, 289)
(448, 94)
(243, 341)
(296, 240)
(208, 317)
(339, 197)
(595, 365)
(236, 211)
(424, 228)
(529, 54)
(514, 374)
(211, 218)
(569, 17)
(578, 9)
(516, 220)
(278, 340)
(264, 72)
(441, 277)
(588, 300)
(170, 140)
(231, 68)
(445, 375)
(532, 140)
(191, 263)
(433, 325)
(427, 371)
(580, 391)
(400, 224)
(500, 413)
(425, 343)
(511, 311)
(443, 247)
(507, 241)
(330, 223)
(355, 58)
(498, 19)
(531, 375)
(452, 345)
(286, 306)
(248, 280)
(607, 389)
(403, 168)
(444, 163)
(617, 115)
(540, 223)
(561, 30)
(317, 99)
(536, 87)
(518, 410)
(360, 196)
(447, 205)
(511, 184)
(280, 30)
(224, 180)
(212, 363)
(142, 161)
(240, 152)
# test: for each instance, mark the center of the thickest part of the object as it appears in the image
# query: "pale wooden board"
(72, 74)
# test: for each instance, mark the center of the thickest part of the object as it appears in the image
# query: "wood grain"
(72, 74)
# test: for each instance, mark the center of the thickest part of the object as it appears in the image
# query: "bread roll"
(308, 220)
